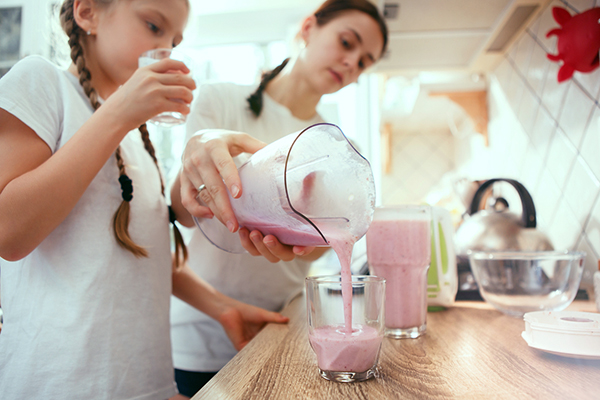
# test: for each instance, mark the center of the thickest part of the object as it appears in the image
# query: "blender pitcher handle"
(528, 219)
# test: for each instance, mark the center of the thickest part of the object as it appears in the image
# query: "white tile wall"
(420, 159)
(528, 109)
(531, 168)
(543, 131)
(561, 156)
(592, 229)
(590, 150)
(581, 190)
(564, 228)
(560, 135)
(574, 118)
(538, 69)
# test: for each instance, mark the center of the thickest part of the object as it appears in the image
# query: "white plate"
(560, 353)
(565, 333)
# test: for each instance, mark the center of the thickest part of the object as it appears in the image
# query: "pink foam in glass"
(399, 250)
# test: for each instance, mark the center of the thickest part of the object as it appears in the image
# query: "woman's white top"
(199, 342)
(84, 318)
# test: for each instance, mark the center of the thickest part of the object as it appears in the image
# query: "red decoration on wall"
(578, 41)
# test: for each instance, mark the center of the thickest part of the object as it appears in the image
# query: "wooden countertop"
(470, 351)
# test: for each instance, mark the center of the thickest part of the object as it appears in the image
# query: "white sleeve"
(204, 111)
(30, 92)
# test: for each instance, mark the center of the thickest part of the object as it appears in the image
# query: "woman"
(341, 39)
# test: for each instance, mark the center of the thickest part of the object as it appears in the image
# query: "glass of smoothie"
(346, 332)
(169, 118)
(399, 250)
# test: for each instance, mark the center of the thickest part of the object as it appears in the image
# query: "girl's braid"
(121, 217)
(181, 253)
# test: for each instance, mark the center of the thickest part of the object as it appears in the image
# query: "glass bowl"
(517, 282)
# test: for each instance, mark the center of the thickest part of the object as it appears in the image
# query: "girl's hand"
(242, 322)
(270, 248)
(208, 160)
(160, 87)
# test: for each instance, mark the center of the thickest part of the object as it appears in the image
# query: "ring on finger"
(201, 188)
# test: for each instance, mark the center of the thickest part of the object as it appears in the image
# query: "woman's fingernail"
(230, 226)
(255, 236)
(270, 242)
(235, 190)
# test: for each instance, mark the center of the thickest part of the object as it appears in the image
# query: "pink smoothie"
(342, 244)
(342, 352)
(292, 237)
(400, 252)
(347, 348)
(341, 348)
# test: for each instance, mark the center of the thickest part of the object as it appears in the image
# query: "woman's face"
(339, 51)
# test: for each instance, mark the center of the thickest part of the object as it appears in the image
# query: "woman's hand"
(159, 87)
(242, 322)
(208, 162)
(273, 250)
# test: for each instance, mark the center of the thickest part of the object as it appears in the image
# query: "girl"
(342, 39)
(84, 228)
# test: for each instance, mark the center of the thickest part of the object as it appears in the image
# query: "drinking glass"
(346, 354)
(169, 118)
(399, 250)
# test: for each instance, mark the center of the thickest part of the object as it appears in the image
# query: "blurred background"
(464, 94)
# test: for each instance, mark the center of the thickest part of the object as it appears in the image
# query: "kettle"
(499, 229)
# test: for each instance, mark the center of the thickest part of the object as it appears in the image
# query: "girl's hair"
(121, 217)
(328, 11)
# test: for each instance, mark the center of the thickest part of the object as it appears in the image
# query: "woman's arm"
(208, 160)
(241, 321)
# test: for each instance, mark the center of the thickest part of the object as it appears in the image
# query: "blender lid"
(566, 333)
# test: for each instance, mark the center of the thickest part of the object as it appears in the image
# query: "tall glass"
(343, 354)
(169, 118)
(399, 250)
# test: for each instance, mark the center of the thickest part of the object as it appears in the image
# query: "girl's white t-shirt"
(84, 318)
(199, 342)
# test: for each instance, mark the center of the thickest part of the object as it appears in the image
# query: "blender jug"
(305, 188)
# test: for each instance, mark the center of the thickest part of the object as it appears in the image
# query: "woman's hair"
(328, 11)
(121, 217)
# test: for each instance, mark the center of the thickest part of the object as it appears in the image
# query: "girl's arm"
(39, 189)
(241, 321)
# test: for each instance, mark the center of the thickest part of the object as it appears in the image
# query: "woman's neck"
(291, 90)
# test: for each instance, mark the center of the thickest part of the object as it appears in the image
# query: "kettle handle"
(528, 219)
